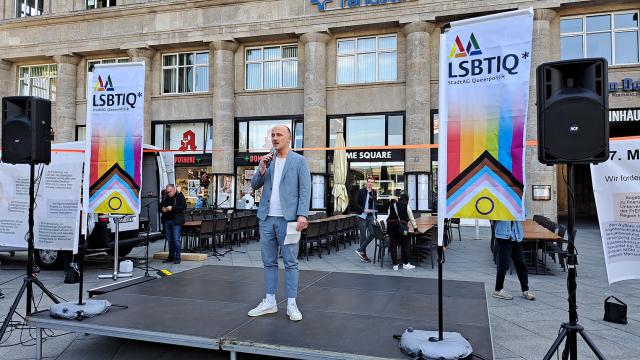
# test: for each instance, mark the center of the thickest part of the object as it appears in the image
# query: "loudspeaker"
(26, 130)
(573, 108)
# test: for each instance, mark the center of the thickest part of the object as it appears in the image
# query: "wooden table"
(425, 223)
(334, 217)
(534, 232)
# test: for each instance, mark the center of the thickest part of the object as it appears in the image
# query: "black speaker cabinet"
(26, 130)
(573, 107)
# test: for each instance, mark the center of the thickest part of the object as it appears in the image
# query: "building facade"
(219, 73)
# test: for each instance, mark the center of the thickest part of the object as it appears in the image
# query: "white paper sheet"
(293, 236)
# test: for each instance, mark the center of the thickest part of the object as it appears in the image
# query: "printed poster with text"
(57, 211)
(616, 186)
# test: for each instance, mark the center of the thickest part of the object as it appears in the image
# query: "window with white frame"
(92, 63)
(367, 59)
(185, 72)
(271, 67)
(38, 80)
(613, 36)
(26, 8)
(98, 4)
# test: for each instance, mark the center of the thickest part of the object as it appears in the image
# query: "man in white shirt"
(286, 194)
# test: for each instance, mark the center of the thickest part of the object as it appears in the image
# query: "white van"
(132, 230)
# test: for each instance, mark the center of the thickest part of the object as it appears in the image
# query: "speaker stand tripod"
(571, 329)
(30, 279)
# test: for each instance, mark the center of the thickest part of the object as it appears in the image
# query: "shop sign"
(189, 159)
(188, 141)
(626, 87)
(326, 5)
(619, 115)
(375, 155)
(624, 122)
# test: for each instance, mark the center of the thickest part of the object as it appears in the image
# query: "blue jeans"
(172, 233)
(366, 232)
(272, 233)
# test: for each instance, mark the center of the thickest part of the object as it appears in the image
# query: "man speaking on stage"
(286, 193)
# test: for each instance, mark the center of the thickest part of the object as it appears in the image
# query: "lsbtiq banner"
(115, 131)
(616, 186)
(484, 100)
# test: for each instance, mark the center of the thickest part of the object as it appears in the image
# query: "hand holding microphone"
(265, 161)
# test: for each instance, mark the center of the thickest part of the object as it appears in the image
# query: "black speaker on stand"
(573, 128)
(26, 130)
(26, 139)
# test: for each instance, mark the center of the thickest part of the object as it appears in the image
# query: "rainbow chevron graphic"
(459, 51)
(102, 86)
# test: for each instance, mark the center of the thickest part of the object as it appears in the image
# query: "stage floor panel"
(345, 315)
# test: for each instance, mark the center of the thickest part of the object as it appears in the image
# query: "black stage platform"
(345, 315)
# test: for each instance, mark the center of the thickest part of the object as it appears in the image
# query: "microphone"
(273, 156)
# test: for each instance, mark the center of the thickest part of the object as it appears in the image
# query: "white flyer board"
(616, 186)
(57, 210)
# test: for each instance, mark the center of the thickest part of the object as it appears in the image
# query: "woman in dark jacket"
(172, 207)
(399, 212)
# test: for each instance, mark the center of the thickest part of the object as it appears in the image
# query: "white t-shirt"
(275, 208)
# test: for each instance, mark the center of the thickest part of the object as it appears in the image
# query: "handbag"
(615, 312)
(402, 225)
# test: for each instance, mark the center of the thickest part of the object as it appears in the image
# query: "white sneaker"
(502, 294)
(395, 267)
(293, 312)
(408, 266)
(528, 295)
(264, 308)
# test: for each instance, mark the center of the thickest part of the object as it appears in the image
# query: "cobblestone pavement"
(521, 329)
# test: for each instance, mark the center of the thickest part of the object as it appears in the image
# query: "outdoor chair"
(425, 246)
(220, 232)
(197, 215)
(454, 223)
(332, 234)
(206, 232)
(312, 234)
(381, 243)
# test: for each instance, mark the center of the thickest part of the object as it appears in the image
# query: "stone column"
(6, 88)
(224, 104)
(64, 123)
(315, 99)
(145, 55)
(536, 173)
(418, 94)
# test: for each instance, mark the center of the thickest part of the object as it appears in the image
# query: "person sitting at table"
(399, 212)
(509, 235)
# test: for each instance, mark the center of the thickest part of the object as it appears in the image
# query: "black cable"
(15, 278)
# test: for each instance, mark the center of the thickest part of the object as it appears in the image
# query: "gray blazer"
(295, 188)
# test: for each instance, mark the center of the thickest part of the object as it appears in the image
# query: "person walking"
(400, 215)
(509, 235)
(365, 207)
(172, 208)
(285, 180)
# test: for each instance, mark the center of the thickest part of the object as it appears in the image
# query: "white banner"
(57, 212)
(484, 99)
(115, 131)
(616, 186)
